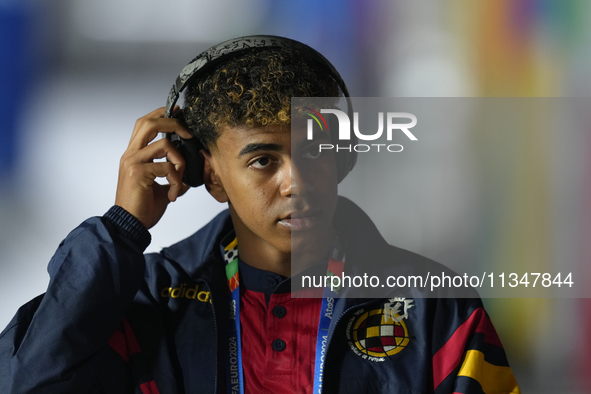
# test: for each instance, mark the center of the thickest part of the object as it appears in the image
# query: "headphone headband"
(235, 46)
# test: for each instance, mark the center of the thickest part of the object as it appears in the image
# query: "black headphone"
(206, 60)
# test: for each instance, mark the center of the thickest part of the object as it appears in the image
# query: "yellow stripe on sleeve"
(492, 378)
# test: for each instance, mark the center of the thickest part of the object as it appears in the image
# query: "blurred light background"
(74, 77)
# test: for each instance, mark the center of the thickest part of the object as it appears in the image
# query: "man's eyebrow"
(259, 146)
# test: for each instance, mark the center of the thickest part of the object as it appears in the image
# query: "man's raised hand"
(137, 190)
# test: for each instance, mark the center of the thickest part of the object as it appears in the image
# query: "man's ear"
(210, 177)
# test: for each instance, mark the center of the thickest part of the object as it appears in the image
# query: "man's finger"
(147, 128)
(150, 128)
(158, 150)
(151, 171)
(157, 113)
(174, 178)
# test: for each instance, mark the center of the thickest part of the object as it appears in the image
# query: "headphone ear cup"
(190, 150)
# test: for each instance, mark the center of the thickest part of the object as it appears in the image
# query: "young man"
(214, 313)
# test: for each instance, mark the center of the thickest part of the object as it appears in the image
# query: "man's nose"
(294, 181)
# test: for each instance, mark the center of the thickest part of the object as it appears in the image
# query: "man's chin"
(309, 247)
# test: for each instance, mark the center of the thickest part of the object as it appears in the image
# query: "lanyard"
(234, 371)
(336, 263)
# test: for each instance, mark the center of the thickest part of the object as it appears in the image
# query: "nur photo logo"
(390, 122)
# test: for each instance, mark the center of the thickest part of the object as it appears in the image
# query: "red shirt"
(278, 334)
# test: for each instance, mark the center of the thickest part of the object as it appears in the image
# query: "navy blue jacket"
(114, 320)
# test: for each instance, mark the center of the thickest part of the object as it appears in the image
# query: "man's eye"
(312, 152)
(261, 163)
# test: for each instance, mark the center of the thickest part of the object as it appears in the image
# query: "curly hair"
(253, 89)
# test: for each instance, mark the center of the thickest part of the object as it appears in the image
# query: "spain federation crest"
(379, 333)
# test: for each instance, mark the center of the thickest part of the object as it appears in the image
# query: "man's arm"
(57, 344)
(472, 358)
(59, 347)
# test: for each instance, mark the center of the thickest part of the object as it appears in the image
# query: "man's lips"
(301, 220)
